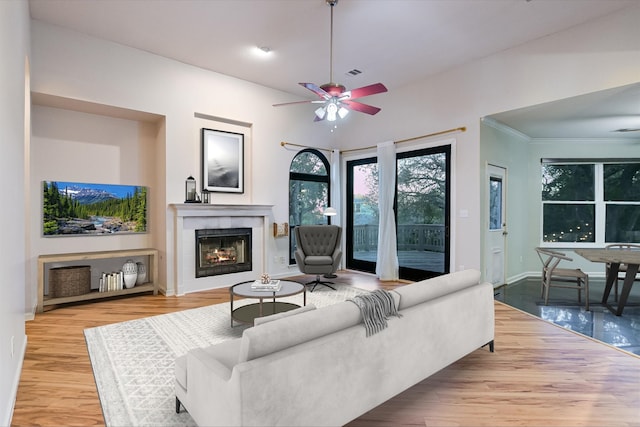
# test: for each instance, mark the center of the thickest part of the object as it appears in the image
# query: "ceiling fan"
(335, 99)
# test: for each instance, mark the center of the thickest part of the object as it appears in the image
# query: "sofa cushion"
(429, 289)
(318, 260)
(274, 336)
(265, 319)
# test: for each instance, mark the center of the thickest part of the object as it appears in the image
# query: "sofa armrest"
(213, 398)
(337, 253)
(209, 363)
(299, 255)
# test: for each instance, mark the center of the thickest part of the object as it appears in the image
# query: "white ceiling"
(395, 42)
(596, 115)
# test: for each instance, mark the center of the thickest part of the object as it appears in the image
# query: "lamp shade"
(332, 110)
(330, 212)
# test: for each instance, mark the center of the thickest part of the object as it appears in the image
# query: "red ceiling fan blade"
(364, 91)
(359, 106)
(316, 89)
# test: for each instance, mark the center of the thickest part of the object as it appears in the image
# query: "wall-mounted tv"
(83, 209)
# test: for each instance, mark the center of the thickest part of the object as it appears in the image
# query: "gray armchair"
(318, 251)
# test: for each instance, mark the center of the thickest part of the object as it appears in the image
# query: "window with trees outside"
(308, 192)
(590, 204)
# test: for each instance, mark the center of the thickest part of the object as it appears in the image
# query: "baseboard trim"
(15, 383)
(29, 316)
(522, 276)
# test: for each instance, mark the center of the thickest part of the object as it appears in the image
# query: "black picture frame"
(222, 161)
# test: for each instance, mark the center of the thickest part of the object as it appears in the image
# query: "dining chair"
(622, 270)
(554, 276)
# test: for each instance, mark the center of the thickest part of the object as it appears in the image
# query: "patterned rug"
(133, 362)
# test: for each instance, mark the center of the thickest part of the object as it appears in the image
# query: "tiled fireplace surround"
(193, 216)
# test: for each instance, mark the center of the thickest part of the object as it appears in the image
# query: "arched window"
(308, 191)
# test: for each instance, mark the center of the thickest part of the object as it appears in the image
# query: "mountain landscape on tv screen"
(93, 209)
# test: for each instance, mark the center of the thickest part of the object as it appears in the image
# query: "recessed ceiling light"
(262, 51)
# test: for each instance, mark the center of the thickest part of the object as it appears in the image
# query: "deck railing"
(413, 237)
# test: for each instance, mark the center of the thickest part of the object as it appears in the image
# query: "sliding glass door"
(422, 204)
(362, 214)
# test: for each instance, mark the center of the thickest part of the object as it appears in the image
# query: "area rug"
(133, 362)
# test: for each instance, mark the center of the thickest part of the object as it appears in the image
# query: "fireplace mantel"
(189, 216)
(206, 210)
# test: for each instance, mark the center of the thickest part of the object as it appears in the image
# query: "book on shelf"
(110, 282)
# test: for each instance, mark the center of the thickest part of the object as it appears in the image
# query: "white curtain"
(387, 261)
(335, 186)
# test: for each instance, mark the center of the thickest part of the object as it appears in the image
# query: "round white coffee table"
(248, 313)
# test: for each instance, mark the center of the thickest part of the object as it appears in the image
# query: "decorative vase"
(142, 273)
(130, 274)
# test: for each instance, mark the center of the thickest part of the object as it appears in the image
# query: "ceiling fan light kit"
(336, 100)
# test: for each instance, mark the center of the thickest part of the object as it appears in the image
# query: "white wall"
(72, 65)
(583, 59)
(14, 112)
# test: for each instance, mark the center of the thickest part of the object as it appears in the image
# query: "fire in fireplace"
(223, 251)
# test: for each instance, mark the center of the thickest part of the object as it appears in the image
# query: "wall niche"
(79, 141)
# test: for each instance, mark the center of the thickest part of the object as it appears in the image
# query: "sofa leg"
(177, 405)
(490, 344)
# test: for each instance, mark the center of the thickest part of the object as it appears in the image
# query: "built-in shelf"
(94, 294)
(45, 261)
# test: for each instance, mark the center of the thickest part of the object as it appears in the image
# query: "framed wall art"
(78, 208)
(222, 161)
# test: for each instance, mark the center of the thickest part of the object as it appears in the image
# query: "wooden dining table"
(615, 257)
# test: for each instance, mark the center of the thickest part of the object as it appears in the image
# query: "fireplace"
(189, 217)
(222, 251)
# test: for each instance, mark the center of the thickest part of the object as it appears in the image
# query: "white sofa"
(317, 367)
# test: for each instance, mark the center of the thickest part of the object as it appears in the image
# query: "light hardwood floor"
(539, 375)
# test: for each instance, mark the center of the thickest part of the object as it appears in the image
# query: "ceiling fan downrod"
(331, 3)
(335, 99)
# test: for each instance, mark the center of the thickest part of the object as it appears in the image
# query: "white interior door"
(497, 225)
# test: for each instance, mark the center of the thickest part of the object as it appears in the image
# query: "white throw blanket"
(375, 307)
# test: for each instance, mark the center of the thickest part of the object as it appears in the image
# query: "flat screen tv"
(83, 209)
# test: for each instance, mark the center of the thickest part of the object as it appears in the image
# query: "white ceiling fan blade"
(294, 102)
(316, 89)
